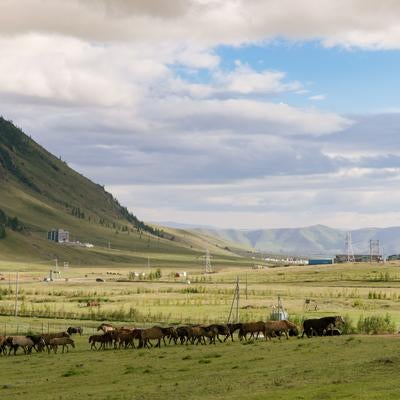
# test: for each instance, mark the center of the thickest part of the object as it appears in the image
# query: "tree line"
(12, 223)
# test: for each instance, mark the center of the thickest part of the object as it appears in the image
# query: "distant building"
(58, 235)
(320, 261)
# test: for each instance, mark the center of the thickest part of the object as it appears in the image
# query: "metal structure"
(349, 248)
(278, 312)
(235, 299)
(208, 266)
(374, 250)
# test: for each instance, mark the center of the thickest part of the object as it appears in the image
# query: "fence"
(23, 328)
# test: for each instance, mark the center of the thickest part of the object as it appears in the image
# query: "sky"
(230, 113)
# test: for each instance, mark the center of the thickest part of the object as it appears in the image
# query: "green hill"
(39, 192)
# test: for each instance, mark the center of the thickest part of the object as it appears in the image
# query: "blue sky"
(353, 80)
(232, 113)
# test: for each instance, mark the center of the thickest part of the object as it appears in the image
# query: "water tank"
(278, 315)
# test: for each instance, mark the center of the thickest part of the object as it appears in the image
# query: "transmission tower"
(374, 250)
(349, 248)
(208, 263)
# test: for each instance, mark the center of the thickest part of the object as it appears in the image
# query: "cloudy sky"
(232, 113)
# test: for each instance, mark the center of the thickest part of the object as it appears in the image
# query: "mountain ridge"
(310, 240)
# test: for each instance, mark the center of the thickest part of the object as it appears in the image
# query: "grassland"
(319, 368)
(351, 366)
(351, 290)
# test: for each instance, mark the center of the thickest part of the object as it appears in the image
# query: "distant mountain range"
(316, 240)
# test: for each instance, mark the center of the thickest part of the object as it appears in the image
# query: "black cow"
(319, 326)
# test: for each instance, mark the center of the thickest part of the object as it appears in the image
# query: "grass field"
(351, 366)
(350, 290)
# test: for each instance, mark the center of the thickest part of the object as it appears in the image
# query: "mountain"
(317, 240)
(39, 191)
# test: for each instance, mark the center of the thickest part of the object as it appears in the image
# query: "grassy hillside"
(42, 192)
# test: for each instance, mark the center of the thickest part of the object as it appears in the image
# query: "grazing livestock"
(252, 328)
(75, 330)
(15, 342)
(2, 345)
(210, 332)
(221, 330)
(232, 329)
(183, 333)
(198, 334)
(105, 328)
(47, 336)
(170, 333)
(103, 339)
(317, 327)
(154, 333)
(63, 341)
(126, 339)
(38, 342)
(137, 334)
(276, 328)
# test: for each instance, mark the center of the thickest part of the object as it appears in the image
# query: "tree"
(14, 224)
(2, 231)
(3, 217)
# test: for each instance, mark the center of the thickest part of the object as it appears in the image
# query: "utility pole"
(246, 286)
(235, 299)
(16, 296)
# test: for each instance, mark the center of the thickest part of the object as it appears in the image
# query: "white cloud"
(347, 23)
(244, 80)
(331, 199)
(244, 115)
(114, 87)
(318, 97)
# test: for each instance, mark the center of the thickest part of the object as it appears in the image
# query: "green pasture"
(348, 367)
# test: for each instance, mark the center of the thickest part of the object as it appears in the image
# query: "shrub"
(348, 327)
(376, 324)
